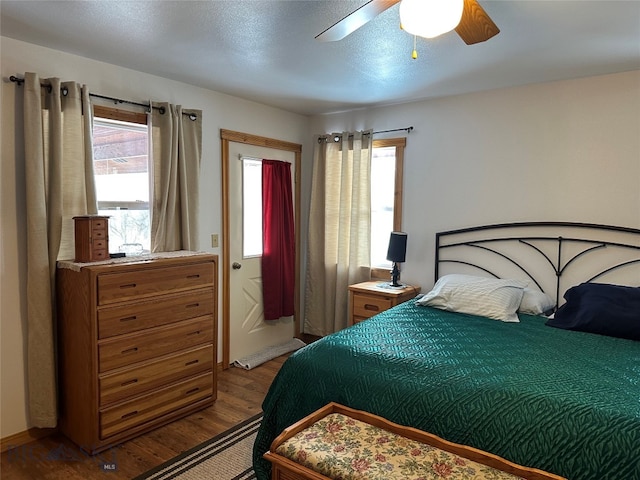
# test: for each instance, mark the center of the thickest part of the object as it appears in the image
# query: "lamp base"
(395, 276)
(388, 285)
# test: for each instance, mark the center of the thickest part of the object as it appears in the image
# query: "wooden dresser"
(137, 344)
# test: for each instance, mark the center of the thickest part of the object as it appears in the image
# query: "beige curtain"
(339, 248)
(59, 185)
(176, 139)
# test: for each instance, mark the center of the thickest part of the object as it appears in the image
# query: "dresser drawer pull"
(130, 414)
(129, 350)
(129, 382)
(192, 305)
(197, 275)
(197, 332)
(128, 285)
(128, 319)
(193, 390)
(368, 306)
(192, 362)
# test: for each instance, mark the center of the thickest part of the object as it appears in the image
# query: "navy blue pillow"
(612, 310)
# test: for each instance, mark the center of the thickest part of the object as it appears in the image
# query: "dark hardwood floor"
(240, 395)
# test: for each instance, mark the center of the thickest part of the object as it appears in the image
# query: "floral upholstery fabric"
(343, 448)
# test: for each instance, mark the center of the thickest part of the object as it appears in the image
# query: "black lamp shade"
(397, 247)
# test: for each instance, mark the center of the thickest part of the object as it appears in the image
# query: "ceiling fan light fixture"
(430, 18)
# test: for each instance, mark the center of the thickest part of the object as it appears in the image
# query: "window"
(386, 200)
(121, 169)
(251, 207)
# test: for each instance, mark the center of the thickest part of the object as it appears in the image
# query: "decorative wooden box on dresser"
(91, 238)
(137, 342)
(367, 299)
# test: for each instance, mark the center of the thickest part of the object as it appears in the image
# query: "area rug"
(269, 353)
(225, 457)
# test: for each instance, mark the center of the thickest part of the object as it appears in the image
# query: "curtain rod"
(65, 91)
(338, 137)
(405, 129)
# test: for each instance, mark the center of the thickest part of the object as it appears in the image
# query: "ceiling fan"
(475, 25)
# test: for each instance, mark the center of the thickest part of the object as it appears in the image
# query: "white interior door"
(248, 331)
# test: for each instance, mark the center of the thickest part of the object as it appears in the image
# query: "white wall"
(219, 111)
(561, 151)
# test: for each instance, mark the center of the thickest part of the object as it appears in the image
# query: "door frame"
(227, 136)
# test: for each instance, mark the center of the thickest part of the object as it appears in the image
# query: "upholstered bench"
(337, 442)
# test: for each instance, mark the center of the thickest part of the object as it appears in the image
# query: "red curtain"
(278, 240)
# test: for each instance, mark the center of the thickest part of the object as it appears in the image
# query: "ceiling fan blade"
(355, 20)
(475, 26)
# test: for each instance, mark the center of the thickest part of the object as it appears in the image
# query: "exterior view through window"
(251, 208)
(383, 171)
(121, 168)
(386, 200)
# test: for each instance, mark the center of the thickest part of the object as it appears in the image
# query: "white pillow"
(489, 297)
(535, 302)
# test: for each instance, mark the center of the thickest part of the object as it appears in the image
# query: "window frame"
(111, 113)
(399, 144)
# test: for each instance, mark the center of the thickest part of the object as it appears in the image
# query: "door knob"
(236, 266)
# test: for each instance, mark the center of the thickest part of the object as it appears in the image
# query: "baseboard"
(22, 438)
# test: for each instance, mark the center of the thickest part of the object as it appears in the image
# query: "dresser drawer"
(123, 351)
(367, 305)
(146, 408)
(98, 234)
(99, 254)
(99, 223)
(100, 244)
(137, 380)
(118, 287)
(119, 320)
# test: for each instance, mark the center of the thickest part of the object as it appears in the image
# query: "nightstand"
(370, 298)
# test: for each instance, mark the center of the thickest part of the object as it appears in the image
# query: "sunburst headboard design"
(551, 256)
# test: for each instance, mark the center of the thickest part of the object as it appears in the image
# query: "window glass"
(121, 168)
(252, 207)
(383, 171)
(386, 200)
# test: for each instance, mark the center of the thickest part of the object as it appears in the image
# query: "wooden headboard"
(552, 256)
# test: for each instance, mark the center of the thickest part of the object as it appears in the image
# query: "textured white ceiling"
(264, 50)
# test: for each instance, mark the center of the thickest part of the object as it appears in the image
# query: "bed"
(561, 400)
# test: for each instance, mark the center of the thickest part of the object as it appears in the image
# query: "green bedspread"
(566, 402)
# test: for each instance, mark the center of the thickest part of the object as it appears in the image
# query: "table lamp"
(397, 253)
